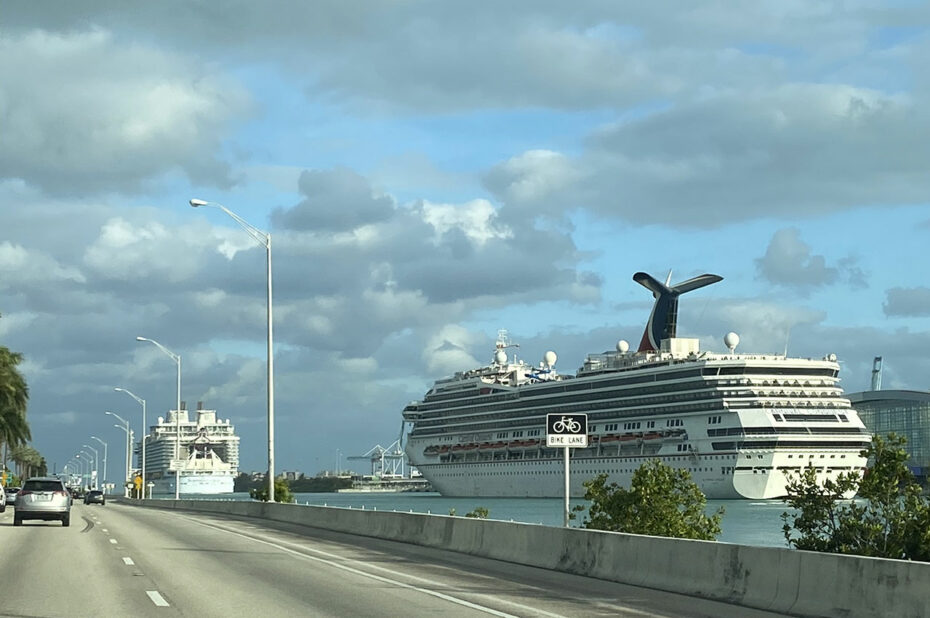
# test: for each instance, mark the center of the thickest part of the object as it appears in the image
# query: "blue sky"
(431, 173)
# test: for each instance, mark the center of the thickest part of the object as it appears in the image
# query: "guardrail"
(795, 582)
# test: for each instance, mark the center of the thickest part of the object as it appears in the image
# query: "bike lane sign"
(567, 430)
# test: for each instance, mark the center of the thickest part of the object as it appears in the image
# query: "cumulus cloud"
(335, 201)
(907, 302)
(792, 150)
(788, 261)
(85, 113)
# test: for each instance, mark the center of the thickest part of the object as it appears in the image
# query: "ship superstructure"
(739, 423)
(208, 459)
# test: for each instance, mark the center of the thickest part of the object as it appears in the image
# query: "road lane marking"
(329, 560)
(128, 561)
(104, 530)
(157, 599)
(113, 541)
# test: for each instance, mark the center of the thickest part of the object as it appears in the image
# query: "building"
(906, 413)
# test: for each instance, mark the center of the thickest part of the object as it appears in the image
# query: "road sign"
(567, 430)
(137, 481)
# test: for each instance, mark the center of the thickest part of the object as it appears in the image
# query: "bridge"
(213, 558)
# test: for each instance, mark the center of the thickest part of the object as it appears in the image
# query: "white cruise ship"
(739, 423)
(209, 454)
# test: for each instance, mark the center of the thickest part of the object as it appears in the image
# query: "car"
(11, 495)
(95, 496)
(43, 497)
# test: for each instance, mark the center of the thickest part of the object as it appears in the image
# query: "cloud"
(792, 150)
(85, 113)
(788, 261)
(335, 201)
(907, 302)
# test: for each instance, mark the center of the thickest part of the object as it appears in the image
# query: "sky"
(432, 172)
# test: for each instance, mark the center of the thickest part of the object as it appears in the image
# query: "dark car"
(43, 498)
(95, 496)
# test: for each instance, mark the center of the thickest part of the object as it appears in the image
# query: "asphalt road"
(121, 560)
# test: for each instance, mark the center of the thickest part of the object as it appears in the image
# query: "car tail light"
(61, 493)
(24, 492)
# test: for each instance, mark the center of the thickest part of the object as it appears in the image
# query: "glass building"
(906, 413)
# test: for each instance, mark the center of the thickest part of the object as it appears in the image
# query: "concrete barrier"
(777, 579)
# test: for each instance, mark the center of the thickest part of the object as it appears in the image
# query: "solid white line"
(113, 541)
(387, 580)
(157, 599)
(128, 561)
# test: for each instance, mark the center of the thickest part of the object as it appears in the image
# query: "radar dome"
(622, 346)
(549, 358)
(500, 357)
(731, 341)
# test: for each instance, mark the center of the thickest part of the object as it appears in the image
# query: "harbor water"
(744, 522)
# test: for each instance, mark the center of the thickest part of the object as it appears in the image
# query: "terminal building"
(903, 412)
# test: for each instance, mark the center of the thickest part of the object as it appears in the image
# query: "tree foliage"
(890, 518)
(661, 501)
(14, 396)
(282, 493)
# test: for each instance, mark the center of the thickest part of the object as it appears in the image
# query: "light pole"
(96, 466)
(104, 460)
(264, 239)
(177, 418)
(82, 462)
(124, 427)
(145, 430)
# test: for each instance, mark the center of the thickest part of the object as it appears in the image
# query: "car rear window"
(43, 486)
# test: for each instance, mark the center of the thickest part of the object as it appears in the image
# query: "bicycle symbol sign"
(567, 430)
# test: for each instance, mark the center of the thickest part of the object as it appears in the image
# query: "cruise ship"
(741, 424)
(209, 453)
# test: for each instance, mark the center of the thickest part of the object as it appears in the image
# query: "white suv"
(43, 497)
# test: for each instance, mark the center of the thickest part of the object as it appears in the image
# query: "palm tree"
(14, 396)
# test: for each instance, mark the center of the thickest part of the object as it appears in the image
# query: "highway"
(121, 560)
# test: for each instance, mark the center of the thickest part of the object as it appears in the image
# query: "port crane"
(386, 462)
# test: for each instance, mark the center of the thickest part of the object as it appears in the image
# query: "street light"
(177, 418)
(124, 427)
(104, 459)
(96, 466)
(82, 462)
(145, 429)
(264, 239)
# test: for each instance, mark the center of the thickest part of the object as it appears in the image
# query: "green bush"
(282, 493)
(661, 501)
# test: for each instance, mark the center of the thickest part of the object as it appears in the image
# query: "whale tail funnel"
(663, 321)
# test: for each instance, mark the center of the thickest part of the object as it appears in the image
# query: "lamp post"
(96, 466)
(81, 462)
(124, 427)
(145, 429)
(264, 239)
(177, 418)
(104, 459)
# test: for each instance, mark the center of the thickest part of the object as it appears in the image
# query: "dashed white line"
(157, 599)
(128, 561)
(104, 530)
(113, 541)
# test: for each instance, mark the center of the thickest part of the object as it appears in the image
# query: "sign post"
(567, 431)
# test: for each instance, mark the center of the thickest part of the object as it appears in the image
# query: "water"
(745, 522)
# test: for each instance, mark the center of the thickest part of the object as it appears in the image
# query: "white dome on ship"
(622, 346)
(731, 341)
(500, 357)
(549, 358)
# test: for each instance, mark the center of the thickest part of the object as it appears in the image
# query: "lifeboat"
(609, 438)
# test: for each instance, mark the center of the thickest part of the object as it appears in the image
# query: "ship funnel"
(663, 321)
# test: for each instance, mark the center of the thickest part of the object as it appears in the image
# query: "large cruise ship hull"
(205, 484)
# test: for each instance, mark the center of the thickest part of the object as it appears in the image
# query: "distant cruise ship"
(209, 459)
(739, 423)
